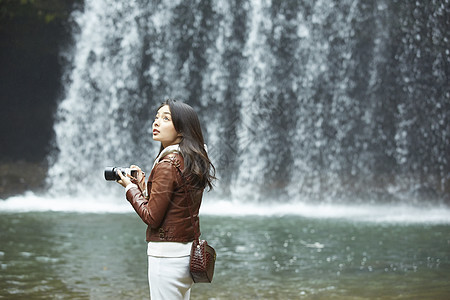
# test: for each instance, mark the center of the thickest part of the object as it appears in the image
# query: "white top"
(169, 249)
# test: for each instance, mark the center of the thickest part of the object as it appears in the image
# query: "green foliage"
(45, 11)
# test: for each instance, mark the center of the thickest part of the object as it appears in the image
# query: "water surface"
(58, 255)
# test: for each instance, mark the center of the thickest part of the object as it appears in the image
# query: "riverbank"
(16, 178)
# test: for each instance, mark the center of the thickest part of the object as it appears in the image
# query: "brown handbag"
(202, 261)
(203, 256)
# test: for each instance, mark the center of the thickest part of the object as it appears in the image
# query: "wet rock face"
(32, 34)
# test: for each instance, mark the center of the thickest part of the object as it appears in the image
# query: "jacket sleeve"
(153, 210)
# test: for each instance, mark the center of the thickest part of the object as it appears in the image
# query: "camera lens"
(111, 174)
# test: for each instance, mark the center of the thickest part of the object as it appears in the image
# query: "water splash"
(399, 214)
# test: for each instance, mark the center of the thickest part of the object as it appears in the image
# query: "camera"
(111, 173)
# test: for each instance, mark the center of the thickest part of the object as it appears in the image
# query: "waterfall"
(300, 101)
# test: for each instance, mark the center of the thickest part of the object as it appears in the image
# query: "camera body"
(111, 173)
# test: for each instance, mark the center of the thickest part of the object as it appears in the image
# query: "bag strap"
(176, 163)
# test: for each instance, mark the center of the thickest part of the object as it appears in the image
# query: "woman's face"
(163, 129)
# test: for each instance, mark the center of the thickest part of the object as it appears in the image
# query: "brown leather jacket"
(166, 211)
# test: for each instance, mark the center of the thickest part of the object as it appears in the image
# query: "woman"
(179, 175)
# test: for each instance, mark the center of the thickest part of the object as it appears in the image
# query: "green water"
(56, 255)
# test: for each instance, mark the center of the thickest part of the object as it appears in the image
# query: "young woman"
(163, 203)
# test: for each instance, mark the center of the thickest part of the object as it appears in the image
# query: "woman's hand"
(140, 177)
(124, 181)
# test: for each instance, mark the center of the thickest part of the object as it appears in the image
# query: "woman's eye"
(166, 119)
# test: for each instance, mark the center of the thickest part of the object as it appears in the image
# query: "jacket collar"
(167, 150)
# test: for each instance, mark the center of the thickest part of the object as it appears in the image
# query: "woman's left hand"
(124, 181)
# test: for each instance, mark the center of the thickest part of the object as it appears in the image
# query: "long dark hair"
(198, 169)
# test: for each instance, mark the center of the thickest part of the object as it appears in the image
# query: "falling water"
(300, 101)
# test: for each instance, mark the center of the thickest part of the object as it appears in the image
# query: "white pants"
(169, 278)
